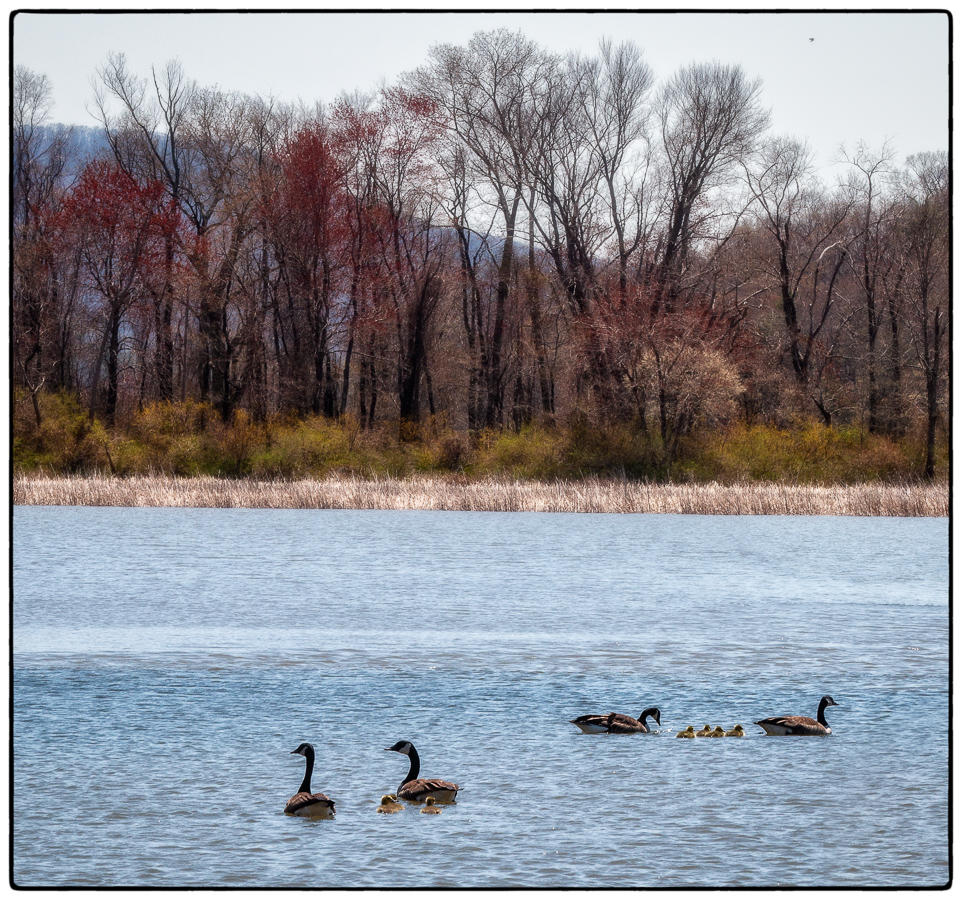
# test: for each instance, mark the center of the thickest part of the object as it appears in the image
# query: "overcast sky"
(832, 78)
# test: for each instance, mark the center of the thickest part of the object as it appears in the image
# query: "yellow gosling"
(389, 805)
(705, 732)
(737, 731)
(718, 732)
(430, 807)
(689, 732)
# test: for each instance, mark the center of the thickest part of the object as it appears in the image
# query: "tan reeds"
(590, 495)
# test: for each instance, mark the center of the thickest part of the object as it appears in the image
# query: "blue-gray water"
(168, 660)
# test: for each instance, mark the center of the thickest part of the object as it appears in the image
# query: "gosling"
(689, 732)
(737, 731)
(431, 807)
(718, 732)
(389, 805)
(705, 732)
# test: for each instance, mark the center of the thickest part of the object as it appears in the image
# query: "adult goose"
(800, 724)
(618, 723)
(419, 789)
(304, 803)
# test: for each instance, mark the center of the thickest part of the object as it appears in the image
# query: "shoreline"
(591, 495)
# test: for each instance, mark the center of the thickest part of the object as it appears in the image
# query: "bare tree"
(808, 250)
(926, 227)
(145, 125)
(873, 263)
(196, 141)
(589, 170)
(710, 119)
(612, 93)
(484, 93)
(43, 290)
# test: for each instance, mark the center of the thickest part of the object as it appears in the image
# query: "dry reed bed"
(589, 495)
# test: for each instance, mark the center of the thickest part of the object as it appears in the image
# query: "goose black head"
(828, 701)
(654, 712)
(303, 749)
(404, 747)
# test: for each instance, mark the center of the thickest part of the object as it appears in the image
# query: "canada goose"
(304, 803)
(618, 723)
(737, 731)
(705, 732)
(429, 807)
(800, 724)
(689, 732)
(718, 732)
(389, 804)
(418, 789)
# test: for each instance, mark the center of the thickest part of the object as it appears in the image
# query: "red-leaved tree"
(118, 226)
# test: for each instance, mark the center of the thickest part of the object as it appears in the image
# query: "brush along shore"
(594, 495)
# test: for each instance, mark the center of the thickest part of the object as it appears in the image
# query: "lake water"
(166, 662)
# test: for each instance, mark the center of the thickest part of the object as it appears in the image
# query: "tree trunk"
(494, 385)
(113, 365)
(896, 418)
(410, 369)
(164, 350)
(932, 418)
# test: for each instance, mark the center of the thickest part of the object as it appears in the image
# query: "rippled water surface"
(166, 662)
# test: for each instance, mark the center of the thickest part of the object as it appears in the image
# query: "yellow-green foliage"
(314, 446)
(66, 441)
(533, 452)
(809, 453)
(189, 439)
(575, 451)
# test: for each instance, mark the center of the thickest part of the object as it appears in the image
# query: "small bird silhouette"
(811, 40)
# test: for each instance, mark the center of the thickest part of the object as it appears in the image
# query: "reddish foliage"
(121, 226)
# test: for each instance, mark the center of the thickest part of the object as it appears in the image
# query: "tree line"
(504, 236)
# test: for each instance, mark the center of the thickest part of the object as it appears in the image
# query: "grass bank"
(501, 495)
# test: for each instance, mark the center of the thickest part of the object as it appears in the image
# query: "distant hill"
(84, 143)
(87, 141)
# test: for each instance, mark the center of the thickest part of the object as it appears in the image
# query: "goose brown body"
(617, 723)
(799, 725)
(315, 806)
(423, 788)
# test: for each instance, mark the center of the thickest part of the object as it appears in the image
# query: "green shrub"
(810, 452)
(189, 438)
(68, 440)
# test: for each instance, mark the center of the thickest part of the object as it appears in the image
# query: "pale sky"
(865, 76)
